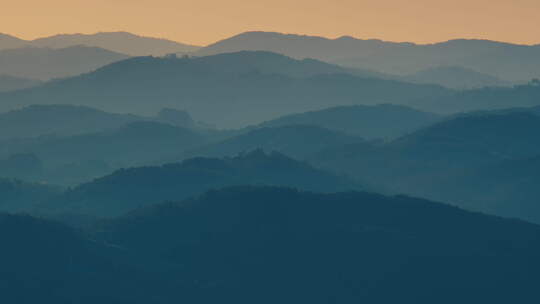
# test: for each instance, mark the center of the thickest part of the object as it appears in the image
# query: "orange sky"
(205, 21)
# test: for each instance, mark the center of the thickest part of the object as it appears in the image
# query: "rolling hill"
(295, 247)
(119, 42)
(456, 78)
(380, 121)
(298, 141)
(240, 87)
(501, 60)
(10, 83)
(128, 189)
(453, 161)
(47, 63)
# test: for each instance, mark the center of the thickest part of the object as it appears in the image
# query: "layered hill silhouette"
(128, 189)
(67, 120)
(380, 121)
(302, 247)
(244, 85)
(16, 195)
(298, 141)
(10, 42)
(10, 83)
(59, 120)
(47, 63)
(449, 161)
(43, 261)
(119, 42)
(501, 60)
(484, 99)
(289, 245)
(456, 78)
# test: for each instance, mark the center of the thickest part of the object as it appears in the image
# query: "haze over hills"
(11, 42)
(296, 140)
(17, 196)
(241, 88)
(370, 122)
(255, 198)
(128, 189)
(10, 83)
(47, 63)
(68, 120)
(494, 98)
(205, 249)
(446, 160)
(119, 42)
(501, 60)
(455, 77)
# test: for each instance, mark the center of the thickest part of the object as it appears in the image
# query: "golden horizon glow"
(204, 21)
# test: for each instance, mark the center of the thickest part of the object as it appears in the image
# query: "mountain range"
(119, 42)
(128, 189)
(46, 63)
(370, 122)
(248, 86)
(497, 59)
(454, 161)
(10, 83)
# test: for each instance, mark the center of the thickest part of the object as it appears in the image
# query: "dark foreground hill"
(128, 189)
(10, 83)
(46, 262)
(275, 245)
(17, 195)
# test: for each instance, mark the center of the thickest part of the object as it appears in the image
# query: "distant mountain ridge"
(11, 83)
(477, 161)
(498, 59)
(370, 122)
(249, 86)
(120, 42)
(46, 63)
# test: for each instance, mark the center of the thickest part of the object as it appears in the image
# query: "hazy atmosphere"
(263, 152)
(206, 21)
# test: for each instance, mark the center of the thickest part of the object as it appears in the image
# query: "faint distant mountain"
(128, 189)
(456, 78)
(47, 63)
(489, 98)
(120, 42)
(25, 166)
(59, 120)
(380, 121)
(247, 87)
(68, 120)
(10, 83)
(17, 195)
(501, 60)
(135, 143)
(298, 141)
(11, 42)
